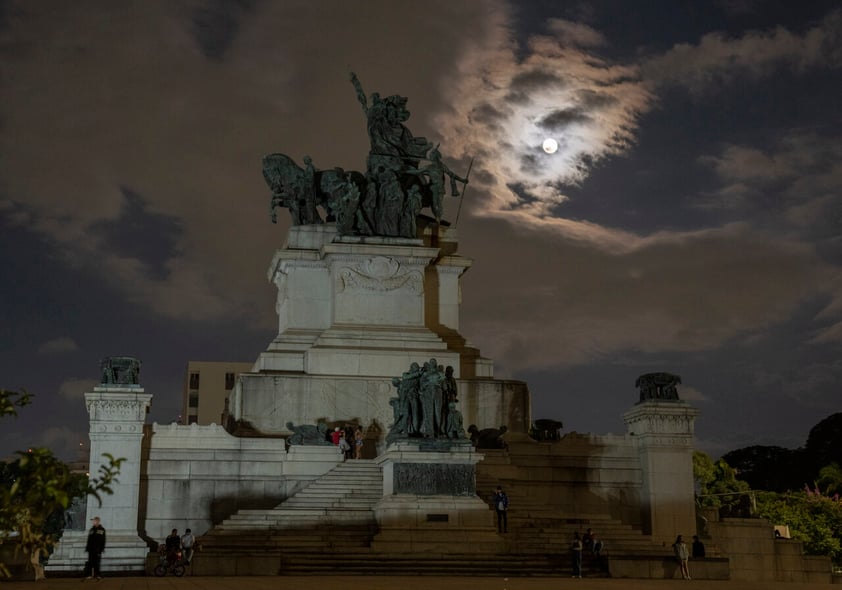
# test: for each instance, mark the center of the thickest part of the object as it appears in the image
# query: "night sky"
(689, 222)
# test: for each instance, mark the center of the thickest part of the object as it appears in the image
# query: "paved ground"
(400, 583)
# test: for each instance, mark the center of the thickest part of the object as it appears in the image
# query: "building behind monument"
(206, 387)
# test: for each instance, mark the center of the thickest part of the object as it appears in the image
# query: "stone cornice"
(113, 406)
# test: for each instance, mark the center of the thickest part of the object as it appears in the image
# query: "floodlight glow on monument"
(550, 145)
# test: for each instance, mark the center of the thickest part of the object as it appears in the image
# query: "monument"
(368, 284)
(368, 303)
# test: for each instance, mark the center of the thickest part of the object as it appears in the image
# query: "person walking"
(501, 505)
(95, 547)
(576, 555)
(187, 540)
(682, 555)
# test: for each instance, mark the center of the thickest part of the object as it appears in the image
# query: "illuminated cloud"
(75, 388)
(507, 105)
(718, 59)
(58, 346)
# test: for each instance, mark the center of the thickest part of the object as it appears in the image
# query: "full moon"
(550, 145)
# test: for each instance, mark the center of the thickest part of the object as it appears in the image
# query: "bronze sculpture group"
(120, 370)
(403, 175)
(426, 404)
(658, 386)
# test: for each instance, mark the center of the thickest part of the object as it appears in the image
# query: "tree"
(770, 468)
(10, 401)
(824, 443)
(37, 485)
(830, 479)
(813, 519)
(717, 483)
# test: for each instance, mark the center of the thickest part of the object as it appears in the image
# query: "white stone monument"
(117, 411)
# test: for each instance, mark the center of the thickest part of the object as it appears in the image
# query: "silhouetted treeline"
(778, 469)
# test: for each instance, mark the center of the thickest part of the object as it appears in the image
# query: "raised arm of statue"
(360, 94)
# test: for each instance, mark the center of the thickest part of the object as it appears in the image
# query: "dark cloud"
(556, 121)
(486, 114)
(591, 99)
(141, 235)
(215, 25)
(534, 80)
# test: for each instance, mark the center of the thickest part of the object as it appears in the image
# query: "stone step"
(327, 495)
(292, 522)
(468, 564)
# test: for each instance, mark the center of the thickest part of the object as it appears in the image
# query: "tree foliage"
(716, 483)
(824, 443)
(813, 519)
(37, 486)
(10, 401)
(830, 480)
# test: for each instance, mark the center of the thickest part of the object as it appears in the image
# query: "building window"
(193, 400)
(229, 381)
(194, 381)
(192, 419)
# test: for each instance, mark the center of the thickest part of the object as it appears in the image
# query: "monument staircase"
(329, 527)
(540, 526)
(344, 495)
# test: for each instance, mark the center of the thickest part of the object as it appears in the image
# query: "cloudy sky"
(689, 222)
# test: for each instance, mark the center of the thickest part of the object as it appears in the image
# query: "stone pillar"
(117, 413)
(663, 434)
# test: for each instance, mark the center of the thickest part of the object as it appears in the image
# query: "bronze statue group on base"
(404, 174)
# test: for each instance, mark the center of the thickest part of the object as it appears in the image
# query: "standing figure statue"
(436, 170)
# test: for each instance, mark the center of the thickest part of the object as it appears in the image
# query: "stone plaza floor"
(400, 583)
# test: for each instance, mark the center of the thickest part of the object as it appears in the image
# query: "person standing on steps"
(501, 505)
(95, 547)
(359, 439)
(576, 555)
(344, 446)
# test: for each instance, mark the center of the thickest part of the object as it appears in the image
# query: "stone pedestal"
(663, 435)
(117, 414)
(429, 501)
(358, 306)
(355, 311)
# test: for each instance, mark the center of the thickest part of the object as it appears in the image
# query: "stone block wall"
(194, 476)
(757, 555)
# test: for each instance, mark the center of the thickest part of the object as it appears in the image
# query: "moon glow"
(550, 145)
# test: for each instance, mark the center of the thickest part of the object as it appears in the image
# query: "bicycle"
(169, 563)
